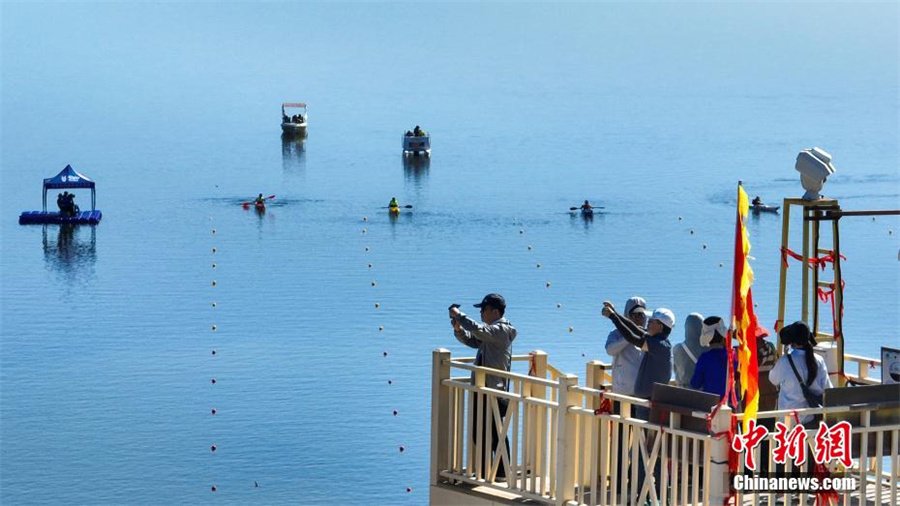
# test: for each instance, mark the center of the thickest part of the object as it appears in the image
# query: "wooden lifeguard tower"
(816, 291)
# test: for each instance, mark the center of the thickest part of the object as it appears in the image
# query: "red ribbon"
(813, 262)
(828, 295)
(605, 406)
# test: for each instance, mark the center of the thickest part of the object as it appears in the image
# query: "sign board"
(890, 366)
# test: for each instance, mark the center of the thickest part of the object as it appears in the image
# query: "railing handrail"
(607, 394)
(504, 374)
(500, 393)
(515, 358)
(860, 407)
(860, 358)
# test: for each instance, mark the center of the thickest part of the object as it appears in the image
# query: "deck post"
(593, 379)
(440, 412)
(566, 434)
(719, 477)
(536, 463)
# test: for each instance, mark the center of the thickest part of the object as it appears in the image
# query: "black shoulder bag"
(814, 400)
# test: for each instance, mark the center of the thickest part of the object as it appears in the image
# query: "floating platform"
(46, 217)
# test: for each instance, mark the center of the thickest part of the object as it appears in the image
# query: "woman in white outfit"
(799, 364)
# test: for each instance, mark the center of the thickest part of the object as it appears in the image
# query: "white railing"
(464, 455)
(613, 448)
(559, 443)
(877, 470)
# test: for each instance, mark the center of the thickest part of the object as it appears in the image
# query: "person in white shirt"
(799, 363)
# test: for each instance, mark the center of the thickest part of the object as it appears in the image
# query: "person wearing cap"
(626, 356)
(686, 354)
(493, 339)
(656, 362)
(799, 363)
(711, 373)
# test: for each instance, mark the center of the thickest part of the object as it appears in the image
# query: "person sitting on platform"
(418, 132)
(68, 208)
(409, 133)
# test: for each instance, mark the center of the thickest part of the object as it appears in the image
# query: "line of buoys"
(213, 411)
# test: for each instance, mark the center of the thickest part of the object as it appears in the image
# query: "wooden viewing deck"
(565, 450)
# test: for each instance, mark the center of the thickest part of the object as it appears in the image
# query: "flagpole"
(729, 387)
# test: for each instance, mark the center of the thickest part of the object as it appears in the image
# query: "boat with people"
(757, 206)
(259, 203)
(294, 124)
(763, 208)
(69, 212)
(416, 141)
(586, 210)
(393, 207)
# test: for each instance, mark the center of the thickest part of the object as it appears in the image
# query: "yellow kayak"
(394, 210)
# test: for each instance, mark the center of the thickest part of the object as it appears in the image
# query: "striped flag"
(743, 321)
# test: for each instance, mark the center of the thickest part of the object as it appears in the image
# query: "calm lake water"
(653, 110)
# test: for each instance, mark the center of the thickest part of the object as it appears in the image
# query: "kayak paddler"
(757, 201)
(587, 206)
(260, 201)
(393, 203)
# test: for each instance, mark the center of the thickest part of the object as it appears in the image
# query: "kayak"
(393, 210)
(762, 208)
(587, 212)
(260, 206)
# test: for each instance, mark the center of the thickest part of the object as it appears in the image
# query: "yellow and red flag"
(743, 320)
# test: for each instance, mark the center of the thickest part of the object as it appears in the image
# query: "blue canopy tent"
(69, 178)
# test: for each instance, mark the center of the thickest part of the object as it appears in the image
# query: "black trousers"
(502, 405)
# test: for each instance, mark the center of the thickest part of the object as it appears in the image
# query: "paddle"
(592, 208)
(407, 206)
(247, 204)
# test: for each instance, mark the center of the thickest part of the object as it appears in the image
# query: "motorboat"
(417, 141)
(763, 208)
(294, 124)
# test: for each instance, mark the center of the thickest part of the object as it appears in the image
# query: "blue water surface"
(653, 110)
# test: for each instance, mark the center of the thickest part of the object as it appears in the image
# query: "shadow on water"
(293, 152)
(73, 250)
(585, 220)
(415, 168)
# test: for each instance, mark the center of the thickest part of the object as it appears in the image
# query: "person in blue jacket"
(711, 372)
